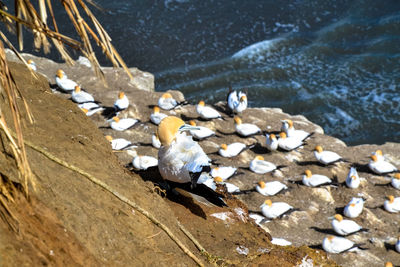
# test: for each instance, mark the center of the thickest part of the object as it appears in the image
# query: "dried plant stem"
(127, 201)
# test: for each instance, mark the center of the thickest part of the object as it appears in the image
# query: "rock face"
(306, 226)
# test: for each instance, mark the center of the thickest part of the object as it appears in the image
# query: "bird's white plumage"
(288, 128)
(289, 143)
(326, 157)
(123, 124)
(232, 150)
(32, 65)
(270, 188)
(120, 143)
(237, 102)
(395, 182)
(392, 205)
(344, 227)
(258, 219)
(144, 162)
(157, 117)
(180, 158)
(261, 166)
(335, 244)
(92, 111)
(280, 241)
(353, 180)
(122, 102)
(167, 102)
(206, 112)
(313, 180)
(354, 208)
(225, 172)
(65, 84)
(201, 133)
(275, 210)
(247, 129)
(155, 141)
(79, 96)
(379, 166)
(271, 142)
(88, 105)
(397, 246)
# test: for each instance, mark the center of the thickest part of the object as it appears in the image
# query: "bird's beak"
(187, 127)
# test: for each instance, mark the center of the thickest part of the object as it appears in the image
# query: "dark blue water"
(336, 62)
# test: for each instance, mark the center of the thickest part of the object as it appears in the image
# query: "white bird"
(397, 246)
(345, 227)
(261, 166)
(270, 188)
(119, 143)
(288, 128)
(274, 210)
(379, 166)
(396, 181)
(258, 219)
(379, 154)
(353, 180)
(122, 102)
(64, 83)
(155, 141)
(156, 117)
(335, 244)
(313, 180)
(326, 157)
(142, 163)
(237, 102)
(392, 204)
(89, 105)
(201, 132)
(31, 64)
(225, 172)
(180, 158)
(289, 143)
(122, 124)
(79, 96)
(91, 111)
(167, 102)
(280, 242)
(245, 129)
(230, 188)
(354, 208)
(232, 150)
(271, 142)
(207, 112)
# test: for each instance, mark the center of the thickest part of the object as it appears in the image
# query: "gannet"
(260, 166)
(64, 83)
(289, 143)
(79, 96)
(180, 159)
(274, 210)
(280, 242)
(156, 117)
(258, 219)
(122, 124)
(142, 163)
(397, 246)
(396, 181)
(89, 105)
(392, 204)
(270, 188)
(122, 102)
(155, 141)
(379, 166)
(232, 150)
(353, 180)
(354, 208)
(201, 132)
(326, 157)
(287, 127)
(388, 264)
(225, 172)
(167, 102)
(119, 143)
(31, 64)
(345, 227)
(237, 102)
(91, 111)
(379, 154)
(206, 112)
(335, 244)
(245, 129)
(313, 180)
(271, 142)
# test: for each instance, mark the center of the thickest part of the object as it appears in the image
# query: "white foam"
(257, 49)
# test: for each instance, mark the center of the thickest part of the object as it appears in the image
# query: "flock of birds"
(182, 160)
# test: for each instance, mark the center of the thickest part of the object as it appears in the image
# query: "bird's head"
(192, 122)
(288, 122)
(374, 158)
(237, 120)
(121, 95)
(109, 138)
(388, 264)
(261, 184)
(268, 202)
(85, 110)
(224, 146)
(156, 109)
(308, 173)
(318, 149)
(259, 157)
(243, 98)
(30, 61)
(166, 95)
(353, 177)
(272, 137)
(201, 103)
(330, 238)
(282, 135)
(77, 89)
(169, 127)
(116, 119)
(338, 217)
(390, 198)
(218, 179)
(379, 152)
(60, 73)
(397, 176)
